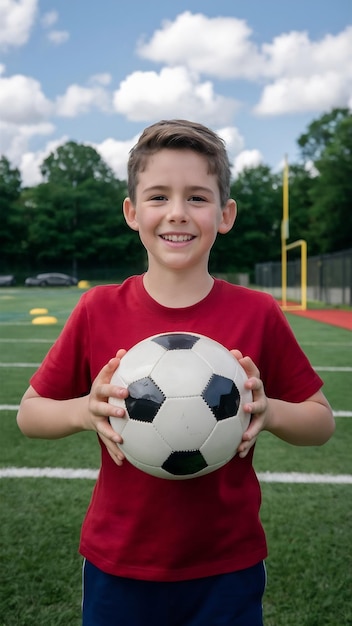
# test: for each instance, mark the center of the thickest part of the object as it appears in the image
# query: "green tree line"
(73, 219)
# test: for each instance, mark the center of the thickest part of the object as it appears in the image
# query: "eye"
(158, 198)
(197, 199)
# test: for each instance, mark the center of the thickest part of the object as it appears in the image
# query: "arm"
(45, 418)
(307, 423)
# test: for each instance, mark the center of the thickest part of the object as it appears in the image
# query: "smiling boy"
(175, 553)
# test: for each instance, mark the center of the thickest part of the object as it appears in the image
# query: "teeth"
(177, 238)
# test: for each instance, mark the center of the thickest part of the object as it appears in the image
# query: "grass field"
(308, 524)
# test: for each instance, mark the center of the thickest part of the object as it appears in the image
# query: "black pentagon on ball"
(184, 463)
(144, 400)
(176, 341)
(222, 397)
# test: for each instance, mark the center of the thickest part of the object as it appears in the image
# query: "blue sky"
(98, 72)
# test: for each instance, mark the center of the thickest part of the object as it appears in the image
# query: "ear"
(130, 214)
(228, 217)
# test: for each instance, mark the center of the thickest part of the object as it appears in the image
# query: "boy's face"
(177, 210)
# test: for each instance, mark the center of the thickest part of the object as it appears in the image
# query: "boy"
(175, 553)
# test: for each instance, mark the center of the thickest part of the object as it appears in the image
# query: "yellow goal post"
(302, 306)
(301, 243)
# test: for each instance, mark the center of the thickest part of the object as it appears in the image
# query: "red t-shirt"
(149, 528)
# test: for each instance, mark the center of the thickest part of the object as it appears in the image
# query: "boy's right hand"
(99, 408)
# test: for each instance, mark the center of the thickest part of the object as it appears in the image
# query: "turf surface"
(308, 525)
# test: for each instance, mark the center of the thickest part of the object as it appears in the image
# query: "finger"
(237, 354)
(256, 386)
(249, 367)
(120, 353)
(245, 447)
(252, 431)
(113, 449)
(107, 390)
(103, 409)
(105, 430)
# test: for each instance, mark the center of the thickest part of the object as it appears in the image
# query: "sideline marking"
(323, 368)
(7, 340)
(297, 477)
(90, 474)
(19, 365)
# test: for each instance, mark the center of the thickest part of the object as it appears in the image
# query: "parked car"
(7, 280)
(50, 279)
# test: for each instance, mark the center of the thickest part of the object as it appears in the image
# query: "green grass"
(308, 526)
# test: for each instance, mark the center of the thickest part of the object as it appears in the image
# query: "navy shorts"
(228, 599)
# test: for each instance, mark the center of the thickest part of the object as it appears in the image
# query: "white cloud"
(101, 79)
(218, 46)
(290, 67)
(16, 20)
(293, 54)
(309, 76)
(115, 154)
(30, 162)
(14, 139)
(22, 100)
(49, 19)
(78, 100)
(58, 37)
(246, 159)
(297, 95)
(174, 92)
(311, 169)
(232, 138)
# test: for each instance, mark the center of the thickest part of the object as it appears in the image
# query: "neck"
(177, 290)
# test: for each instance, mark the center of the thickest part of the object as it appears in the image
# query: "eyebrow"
(191, 189)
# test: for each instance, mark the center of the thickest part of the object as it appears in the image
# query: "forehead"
(175, 165)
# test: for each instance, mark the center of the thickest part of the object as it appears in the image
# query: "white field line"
(47, 472)
(296, 477)
(326, 343)
(13, 323)
(11, 365)
(18, 341)
(91, 474)
(323, 368)
(15, 407)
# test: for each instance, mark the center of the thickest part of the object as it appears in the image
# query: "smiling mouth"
(177, 238)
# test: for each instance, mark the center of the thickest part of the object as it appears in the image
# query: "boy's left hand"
(258, 408)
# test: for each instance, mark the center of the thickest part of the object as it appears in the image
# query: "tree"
(73, 163)
(77, 218)
(255, 235)
(328, 143)
(73, 207)
(10, 224)
(320, 133)
(331, 192)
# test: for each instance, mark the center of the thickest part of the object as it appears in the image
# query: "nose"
(177, 211)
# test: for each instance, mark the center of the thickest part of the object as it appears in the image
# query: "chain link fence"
(329, 278)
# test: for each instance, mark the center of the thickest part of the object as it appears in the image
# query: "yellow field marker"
(38, 311)
(44, 319)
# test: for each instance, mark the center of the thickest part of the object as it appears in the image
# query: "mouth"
(177, 238)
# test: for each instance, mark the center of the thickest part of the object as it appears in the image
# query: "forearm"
(45, 418)
(308, 423)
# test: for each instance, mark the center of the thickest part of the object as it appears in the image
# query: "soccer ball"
(184, 413)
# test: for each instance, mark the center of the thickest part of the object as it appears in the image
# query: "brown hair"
(180, 134)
